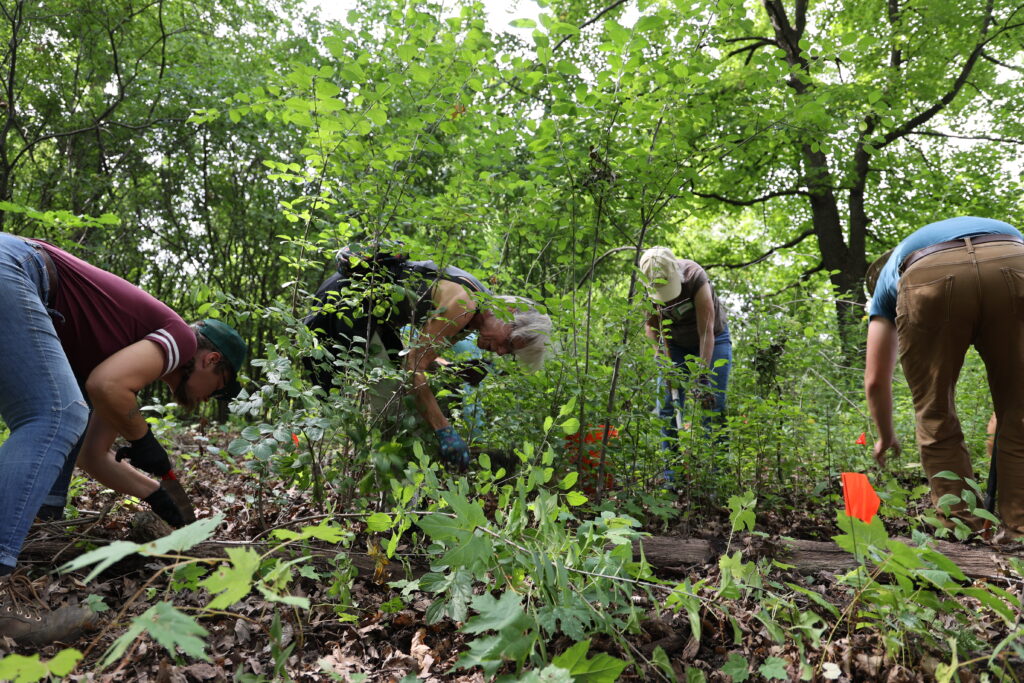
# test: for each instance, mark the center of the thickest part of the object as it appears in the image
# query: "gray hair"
(530, 325)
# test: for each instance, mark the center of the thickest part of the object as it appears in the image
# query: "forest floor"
(389, 638)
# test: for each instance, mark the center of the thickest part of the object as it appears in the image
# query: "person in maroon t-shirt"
(66, 326)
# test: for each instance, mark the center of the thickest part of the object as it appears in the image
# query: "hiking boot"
(25, 619)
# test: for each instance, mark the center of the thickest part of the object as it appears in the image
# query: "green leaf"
(495, 614)
(378, 521)
(326, 90)
(575, 498)
(860, 536)
(737, 668)
(523, 23)
(742, 513)
(101, 557)
(469, 513)
(443, 528)
(603, 668)
(232, 582)
(662, 661)
(169, 627)
(184, 538)
(569, 480)
(649, 23)
(774, 668)
(324, 531)
(476, 554)
(571, 426)
(21, 669)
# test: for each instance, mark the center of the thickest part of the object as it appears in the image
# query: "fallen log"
(667, 552)
(670, 554)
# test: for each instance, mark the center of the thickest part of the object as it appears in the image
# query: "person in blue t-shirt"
(950, 285)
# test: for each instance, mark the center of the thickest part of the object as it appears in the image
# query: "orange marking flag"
(861, 500)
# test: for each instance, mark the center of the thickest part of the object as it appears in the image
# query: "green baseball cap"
(226, 340)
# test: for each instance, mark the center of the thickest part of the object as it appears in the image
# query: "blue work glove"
(452, 450)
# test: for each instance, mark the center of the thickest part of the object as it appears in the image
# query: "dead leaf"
(421, 652)
(690, 651)
(202, 671)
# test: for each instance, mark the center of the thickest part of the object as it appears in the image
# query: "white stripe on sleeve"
(164, 338)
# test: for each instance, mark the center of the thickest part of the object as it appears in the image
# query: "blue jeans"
(40, 401)
(719, 385)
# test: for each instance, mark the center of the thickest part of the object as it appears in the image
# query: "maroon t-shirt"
(104, 313)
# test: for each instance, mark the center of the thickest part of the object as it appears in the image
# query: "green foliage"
(168, 626)
(21, 669)
(222, 175)
(601, 668)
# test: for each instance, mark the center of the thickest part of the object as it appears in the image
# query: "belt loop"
(970, 245)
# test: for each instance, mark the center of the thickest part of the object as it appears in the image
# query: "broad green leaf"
(662, 661)
(169, 627)
(569, 480)
(602, 668)
(495, 614)
(469, 513)
(443, 528)
(378, 521)
(575, 498)
(476, 551)
(859, 537)
(564, 28)
(774, 668)
(571, 426)
(101, 557)
(184, 538)
(737, 668)
(233, 582)
(21, 669)
(324, 531)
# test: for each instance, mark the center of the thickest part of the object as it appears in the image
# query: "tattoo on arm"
(133, 412)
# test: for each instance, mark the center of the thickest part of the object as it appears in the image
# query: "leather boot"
(25, 619)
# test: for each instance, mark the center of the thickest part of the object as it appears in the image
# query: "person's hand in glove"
(703, 394)
(472, 371)
(452, 450)
(163, 505)
(146, 454)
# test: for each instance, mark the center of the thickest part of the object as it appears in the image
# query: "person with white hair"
(362, 303)
(688, 323)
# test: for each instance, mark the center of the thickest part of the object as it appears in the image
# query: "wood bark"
(668, 552)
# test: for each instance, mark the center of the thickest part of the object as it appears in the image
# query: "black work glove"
(146, 454)
(165, 508)
(703, 393)
(472, 371)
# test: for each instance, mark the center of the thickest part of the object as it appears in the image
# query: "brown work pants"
(948, 301)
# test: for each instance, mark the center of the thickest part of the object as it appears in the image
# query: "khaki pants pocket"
(925, 306)
(1015, 283)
